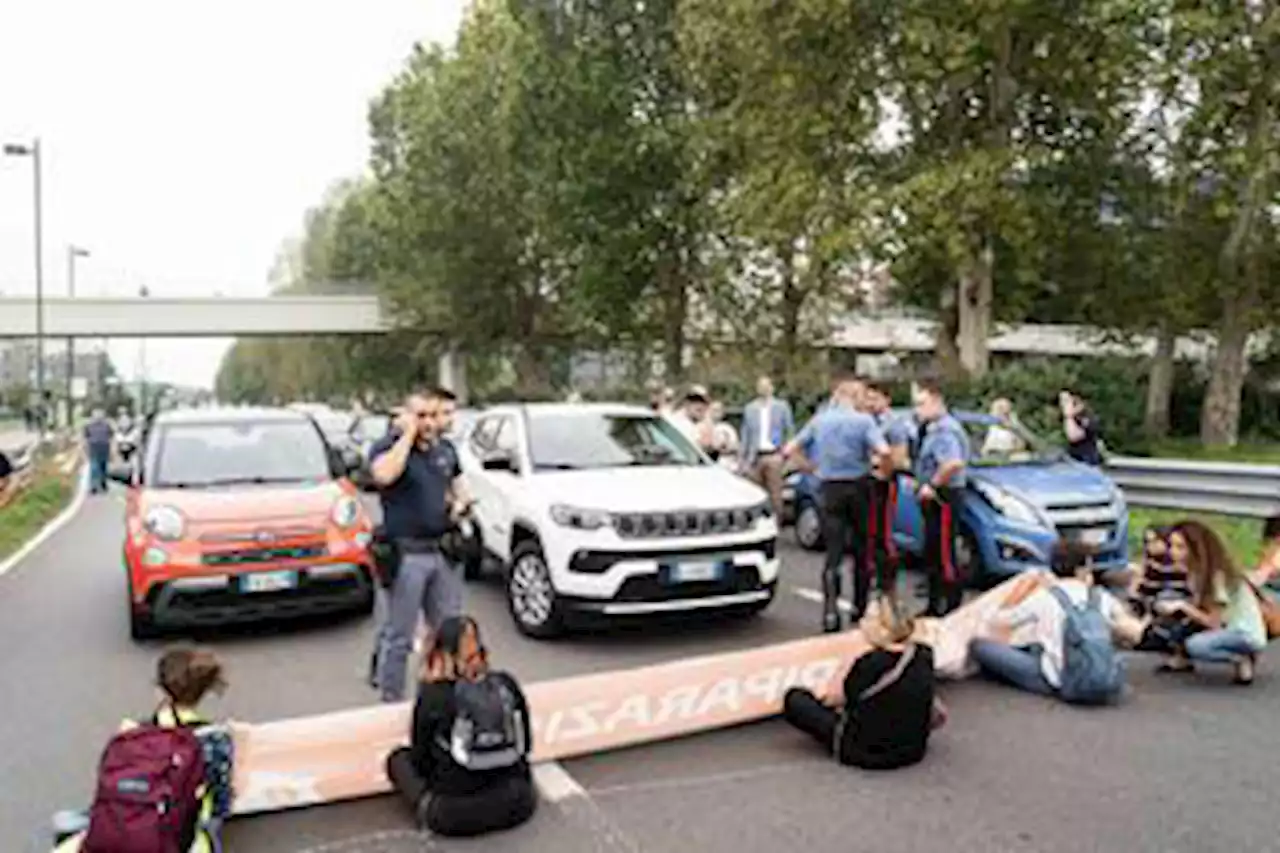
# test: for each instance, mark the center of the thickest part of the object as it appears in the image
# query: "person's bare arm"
(389, 466)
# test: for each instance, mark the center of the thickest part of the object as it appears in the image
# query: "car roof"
(230, 415)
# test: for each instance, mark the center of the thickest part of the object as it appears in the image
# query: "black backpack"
(488, 731)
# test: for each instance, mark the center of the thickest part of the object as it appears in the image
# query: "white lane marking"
(767, 770)
(815, 596)
(50, 529)
(554, 782)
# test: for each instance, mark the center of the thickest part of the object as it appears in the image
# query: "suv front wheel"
(531, 596)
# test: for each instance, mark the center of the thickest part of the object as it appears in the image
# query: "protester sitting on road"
(887, 709)
(1163, 579)
(1067, 629)
(466, 770)
(184, 678)
(1225, 604)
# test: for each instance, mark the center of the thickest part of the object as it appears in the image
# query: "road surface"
(1185, 766)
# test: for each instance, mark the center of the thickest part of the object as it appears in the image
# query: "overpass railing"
(1225, 488)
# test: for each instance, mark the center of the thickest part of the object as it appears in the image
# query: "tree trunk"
(946, 356)
(1220, 415)
(1155, 422)
(675, 315)
(792, 302)
(973, 314)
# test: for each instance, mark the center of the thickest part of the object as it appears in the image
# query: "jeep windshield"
(994, 442)
(223, 454)
(586, 440)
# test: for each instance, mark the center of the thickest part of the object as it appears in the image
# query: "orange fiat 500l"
(241, 514)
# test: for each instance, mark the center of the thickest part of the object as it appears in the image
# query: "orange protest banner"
(340, 756)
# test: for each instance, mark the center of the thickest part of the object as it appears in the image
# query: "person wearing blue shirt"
(940, 484)
(843, 445)
(882, 487)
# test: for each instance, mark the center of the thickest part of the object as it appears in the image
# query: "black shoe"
(420, 818)
(372, 678)
(831, 623)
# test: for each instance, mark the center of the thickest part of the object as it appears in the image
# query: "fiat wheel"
(531, 596)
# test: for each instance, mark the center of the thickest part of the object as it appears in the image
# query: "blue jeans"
(98, 458)
(1013, 665)
(1224, 645)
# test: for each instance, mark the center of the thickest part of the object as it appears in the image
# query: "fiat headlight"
(581, 519)
(165, 522)
(345, 512)
(1011, 507)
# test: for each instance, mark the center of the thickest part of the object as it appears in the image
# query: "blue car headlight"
(1010, 506)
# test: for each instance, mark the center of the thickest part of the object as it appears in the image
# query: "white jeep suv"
(608, 510)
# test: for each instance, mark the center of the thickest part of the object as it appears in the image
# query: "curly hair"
(1207, 559)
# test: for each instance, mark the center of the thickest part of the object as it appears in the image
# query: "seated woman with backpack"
(466, 770)
(887, 709)
(163, 784)
(1069, 626)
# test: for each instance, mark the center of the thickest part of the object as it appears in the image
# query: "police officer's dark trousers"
(844, 515)
(881, 554)
(946, 579)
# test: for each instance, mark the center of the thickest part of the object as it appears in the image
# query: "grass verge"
(35, 507)
(1254, 453)
(1242, 536)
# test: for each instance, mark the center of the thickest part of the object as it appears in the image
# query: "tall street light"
(32, 150)
(143, 293)
(73, 252)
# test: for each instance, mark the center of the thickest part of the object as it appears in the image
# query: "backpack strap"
(1095, 597)
(1063, 599)
(887, 680)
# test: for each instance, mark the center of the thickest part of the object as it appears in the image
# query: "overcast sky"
(183, 142)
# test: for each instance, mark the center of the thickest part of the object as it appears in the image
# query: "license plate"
(267, 581)
(1097, 536)
(694, 571)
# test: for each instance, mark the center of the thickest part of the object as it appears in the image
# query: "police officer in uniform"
(940, 485)
(422, 492)
(882, 486)
(843, 444)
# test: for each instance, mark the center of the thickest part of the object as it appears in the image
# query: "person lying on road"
(466, 770)
(887, 710)
(1069, 625)
(177, 750)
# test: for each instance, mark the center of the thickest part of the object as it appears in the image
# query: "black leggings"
(802, 709)
(504, 804)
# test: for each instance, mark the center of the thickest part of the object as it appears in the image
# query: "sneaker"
(831, 623)
(420, 813)
(1175, 664)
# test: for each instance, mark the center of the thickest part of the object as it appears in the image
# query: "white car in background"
(608, 511)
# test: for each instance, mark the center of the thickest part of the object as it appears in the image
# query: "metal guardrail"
(1251, 491)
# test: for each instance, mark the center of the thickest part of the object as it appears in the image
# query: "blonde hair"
(886, 623)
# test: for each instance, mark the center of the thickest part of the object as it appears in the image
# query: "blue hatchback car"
(1022, 499)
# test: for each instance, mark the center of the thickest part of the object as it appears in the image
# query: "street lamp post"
(143, 293)
(33, 151)
(73, 252)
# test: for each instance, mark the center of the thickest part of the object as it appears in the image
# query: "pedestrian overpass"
(283, 316)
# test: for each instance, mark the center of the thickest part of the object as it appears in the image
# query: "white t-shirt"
(1040, 620)
(766, 428)
(685, 424)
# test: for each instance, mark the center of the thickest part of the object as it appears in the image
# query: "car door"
(504, 487)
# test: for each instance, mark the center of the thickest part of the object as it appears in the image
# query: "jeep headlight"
(165, 522)
(579, 518)
(760, 511)
(1011, 507)
(345, 512)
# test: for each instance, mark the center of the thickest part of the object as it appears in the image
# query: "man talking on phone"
(422, 493)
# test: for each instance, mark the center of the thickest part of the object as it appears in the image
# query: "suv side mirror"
(351, 459)
(499, 462)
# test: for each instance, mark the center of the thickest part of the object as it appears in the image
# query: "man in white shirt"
(767, 425)
(691, 417)
(1034, 662)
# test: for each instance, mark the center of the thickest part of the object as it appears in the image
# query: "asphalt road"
(1185, 766)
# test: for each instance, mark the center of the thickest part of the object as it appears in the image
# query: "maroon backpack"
(148, 792)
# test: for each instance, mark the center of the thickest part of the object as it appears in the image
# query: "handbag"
(1270, 610)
